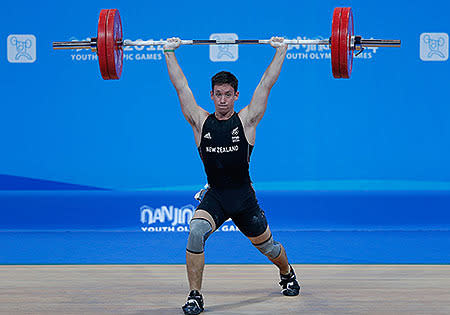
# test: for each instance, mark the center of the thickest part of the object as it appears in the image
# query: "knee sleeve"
(199, 230)
(270, 248)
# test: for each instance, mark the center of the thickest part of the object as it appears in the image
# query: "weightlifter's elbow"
(182, 88)
(267, 83)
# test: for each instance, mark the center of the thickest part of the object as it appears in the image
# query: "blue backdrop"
(386, 130)
(61, 122)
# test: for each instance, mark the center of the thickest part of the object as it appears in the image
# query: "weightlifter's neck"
(226, 116)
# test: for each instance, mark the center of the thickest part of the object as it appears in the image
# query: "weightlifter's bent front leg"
(272, 250)
(200, 228)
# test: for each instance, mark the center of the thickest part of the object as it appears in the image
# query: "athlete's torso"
(225, 152)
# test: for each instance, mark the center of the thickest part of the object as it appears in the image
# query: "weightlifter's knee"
(270, 248)
(266, 245)
(199, 230)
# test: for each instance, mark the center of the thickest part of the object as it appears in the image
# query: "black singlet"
(225, 152)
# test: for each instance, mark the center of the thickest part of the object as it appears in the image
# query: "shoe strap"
(285, 281)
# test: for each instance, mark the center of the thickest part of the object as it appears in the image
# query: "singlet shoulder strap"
(207, 121)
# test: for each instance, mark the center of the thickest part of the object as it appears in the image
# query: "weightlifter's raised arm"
(193, 113)
(253, 113)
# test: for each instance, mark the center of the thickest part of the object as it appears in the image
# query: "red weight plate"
(345, 51)
(351, 32)
(114, 52)
(335, 29)
(101, 44)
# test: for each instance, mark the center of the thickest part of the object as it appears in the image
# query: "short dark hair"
(224, 77)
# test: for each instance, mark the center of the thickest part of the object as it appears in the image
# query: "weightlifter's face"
(224, 97)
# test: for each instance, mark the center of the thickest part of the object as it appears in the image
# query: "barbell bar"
(109, 43)
(91, 44)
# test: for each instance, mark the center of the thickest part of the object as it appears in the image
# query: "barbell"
(109, 43)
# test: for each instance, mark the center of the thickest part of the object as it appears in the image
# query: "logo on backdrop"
(223, 52)
(130, 53)
(173, 219)
(320, 52)
(21, 48)
(434, 46)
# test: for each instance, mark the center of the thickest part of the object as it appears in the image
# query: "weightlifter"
(225, 141)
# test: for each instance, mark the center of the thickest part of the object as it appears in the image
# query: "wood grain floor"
(228, 289)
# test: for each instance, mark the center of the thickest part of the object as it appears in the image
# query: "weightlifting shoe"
(289, 284)
(194, 303)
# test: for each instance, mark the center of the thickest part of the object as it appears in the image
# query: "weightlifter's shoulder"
(197, 126)
(199, 118)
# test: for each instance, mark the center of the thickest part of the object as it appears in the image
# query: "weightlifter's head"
(224, 91)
